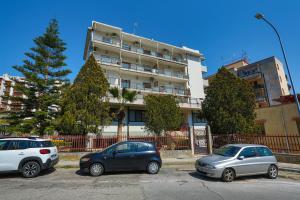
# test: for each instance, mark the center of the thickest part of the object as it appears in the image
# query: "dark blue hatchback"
(123, 156)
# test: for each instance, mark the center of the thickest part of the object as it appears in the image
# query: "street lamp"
(260, 16)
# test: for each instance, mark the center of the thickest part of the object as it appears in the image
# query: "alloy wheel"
(153, 168)
(273, 172)
(96, 169)
(228, 175)
(31, 169)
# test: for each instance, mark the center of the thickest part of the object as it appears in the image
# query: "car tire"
(96, 169)
(273, 172)
(31, 169)
(153, 167)
(228, 175)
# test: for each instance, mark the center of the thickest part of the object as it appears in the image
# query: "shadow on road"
(19, 175)
(244, 178)
(80, 173)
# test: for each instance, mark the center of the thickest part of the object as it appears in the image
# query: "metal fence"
(80, 143)
(279, 144)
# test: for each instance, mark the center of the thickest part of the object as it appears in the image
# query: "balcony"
(107, 40)
(104, 59)
(149, 69)
(161, 89)
(164, 56)
(184, 102)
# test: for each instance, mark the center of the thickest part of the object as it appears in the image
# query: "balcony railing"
(146, 68)
(107, 40)
(108, 59)
(180, 59)
(161, 89)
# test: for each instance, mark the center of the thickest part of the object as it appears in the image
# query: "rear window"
(143, 147)
(263, 151)
(46, 144)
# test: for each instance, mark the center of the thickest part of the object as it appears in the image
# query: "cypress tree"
(229, 104)
(85, 106)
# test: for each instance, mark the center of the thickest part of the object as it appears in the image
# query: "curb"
(286, 169)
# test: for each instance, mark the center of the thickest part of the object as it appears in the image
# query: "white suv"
(27, 155)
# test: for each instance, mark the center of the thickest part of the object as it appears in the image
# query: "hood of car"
(214, 159)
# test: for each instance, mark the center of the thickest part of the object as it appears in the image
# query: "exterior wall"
(195, 75)
(279, 119)
(275, 79)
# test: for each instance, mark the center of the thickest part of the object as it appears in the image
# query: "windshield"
(228, 151)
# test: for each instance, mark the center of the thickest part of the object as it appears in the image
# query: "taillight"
(45, 151)
(157, 151)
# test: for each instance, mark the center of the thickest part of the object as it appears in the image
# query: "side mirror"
(241, 157)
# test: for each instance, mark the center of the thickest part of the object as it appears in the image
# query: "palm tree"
(123, 96)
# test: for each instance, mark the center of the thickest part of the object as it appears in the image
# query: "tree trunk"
(121, 117)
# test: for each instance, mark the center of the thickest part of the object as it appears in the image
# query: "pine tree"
(229, 104)
(85, 106)
(45, 78)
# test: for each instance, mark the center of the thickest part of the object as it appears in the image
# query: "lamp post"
(260, 16)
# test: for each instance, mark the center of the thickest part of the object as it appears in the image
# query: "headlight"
(210, 166)
(84, 159)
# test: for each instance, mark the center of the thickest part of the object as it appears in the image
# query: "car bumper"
(84, 167)
(50, 163)
(213, 173)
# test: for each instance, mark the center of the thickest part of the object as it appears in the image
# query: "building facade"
(7, 90)
(282, 119)
(149, 67)
(266, 76)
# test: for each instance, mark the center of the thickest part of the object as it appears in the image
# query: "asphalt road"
(170, 183)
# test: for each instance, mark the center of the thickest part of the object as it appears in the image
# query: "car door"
(247, 161)
(142, 155)
(265, 158)
(124, 157)
(4, 158)
(15, 152)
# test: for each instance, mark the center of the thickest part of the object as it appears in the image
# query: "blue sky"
(221, 30)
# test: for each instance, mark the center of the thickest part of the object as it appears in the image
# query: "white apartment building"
(149, 67)
(7, 89)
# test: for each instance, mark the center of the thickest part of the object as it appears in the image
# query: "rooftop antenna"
(135, 25)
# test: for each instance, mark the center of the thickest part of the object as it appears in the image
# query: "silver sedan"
(235, 160)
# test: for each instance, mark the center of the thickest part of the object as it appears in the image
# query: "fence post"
(191, 130)
(209, 140)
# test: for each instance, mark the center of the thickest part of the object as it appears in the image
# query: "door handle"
(21, 154)
(132, 156)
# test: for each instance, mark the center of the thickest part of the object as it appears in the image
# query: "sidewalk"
(74, 163)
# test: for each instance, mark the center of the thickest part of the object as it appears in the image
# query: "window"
(142, 147)
(298, 125)
(248, 152)
(113, 114)
(125, 83)
(197, 117)
(228, 151)
(126, 148)
(3, 144)
(136, 115)
(16, 145)
(263, 151)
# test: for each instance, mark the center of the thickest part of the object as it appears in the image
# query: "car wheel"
(153, 168)
(31, 169)
(273, 172)
(96, 169)
(228, 175)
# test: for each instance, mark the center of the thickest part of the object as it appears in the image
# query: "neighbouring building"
(282, 119)
(267, 77)
(7, 89)
(149, 67)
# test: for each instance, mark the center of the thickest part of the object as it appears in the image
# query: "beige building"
(282, 119)
(266, 76)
